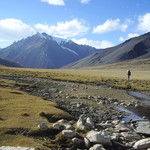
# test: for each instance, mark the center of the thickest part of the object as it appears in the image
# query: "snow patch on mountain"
(59, 40)
(44, 36)
(70, 50)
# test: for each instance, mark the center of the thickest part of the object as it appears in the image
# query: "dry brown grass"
(140, 79)
(20, 113)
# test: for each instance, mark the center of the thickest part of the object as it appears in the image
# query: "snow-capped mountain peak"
(44, 36)
(59, 40)
(48, 37)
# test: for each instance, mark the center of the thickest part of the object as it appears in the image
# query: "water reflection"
(145, 98)
(132, 116)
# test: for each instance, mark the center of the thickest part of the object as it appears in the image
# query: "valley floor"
(23, 99)
(29, 97)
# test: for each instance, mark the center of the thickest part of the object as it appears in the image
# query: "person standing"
(129, 74)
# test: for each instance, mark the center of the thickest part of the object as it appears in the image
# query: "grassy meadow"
(20, 113)
(114, 75)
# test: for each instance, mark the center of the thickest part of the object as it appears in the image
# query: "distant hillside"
(135, 64)
(8, 63)
(135, 48)
(44, 51)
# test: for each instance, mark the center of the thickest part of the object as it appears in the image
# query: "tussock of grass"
(19, 113)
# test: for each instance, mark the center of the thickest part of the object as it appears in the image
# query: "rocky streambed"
(96, 114)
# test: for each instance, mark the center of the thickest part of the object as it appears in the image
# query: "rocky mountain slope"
(8, 63)
(135, 48)
(44, 51)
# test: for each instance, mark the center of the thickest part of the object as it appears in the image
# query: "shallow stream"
(144, 99)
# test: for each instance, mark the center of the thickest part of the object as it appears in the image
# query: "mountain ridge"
(44, 51)
(9, 63)
(134, 48)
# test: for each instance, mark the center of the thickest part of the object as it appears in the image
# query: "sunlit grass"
(19, 110)
(140, 79)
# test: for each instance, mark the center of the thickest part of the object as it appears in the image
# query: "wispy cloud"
(54, 2)
(110, 25)
(85, 1)
(144, 23)
(96, 44)
(130, 35)
(13, 29)
(66, 29)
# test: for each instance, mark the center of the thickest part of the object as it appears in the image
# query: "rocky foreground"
(85, 134)
(98, 125)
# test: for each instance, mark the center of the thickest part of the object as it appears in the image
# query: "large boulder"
(122, 127)
(68, 127)
(81, 121)
(143, 144)
(86, 142)
(58, 126)
(143, 129)
(81, 124)
(69, 133)
(43, 126)
(130, 136)
(78, 142)
(89, 123)
(99, 138)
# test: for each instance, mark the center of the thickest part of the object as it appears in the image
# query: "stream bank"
(92, 105)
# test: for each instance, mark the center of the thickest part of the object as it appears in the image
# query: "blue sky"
(99, 23)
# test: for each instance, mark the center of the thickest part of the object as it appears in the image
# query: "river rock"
(16, 148)
(99, 138)
(143, 129)
(81, 124)
(143, 144)
(43, 126)
(123, 127)
(97, 147)
(68, 127)
(89, 123)
(116, 136)
(80, 121)
(115, 122)
(87, 142)
(69, 133)
(77, 141)
(130, 136)
(57, 126)
(62, 121)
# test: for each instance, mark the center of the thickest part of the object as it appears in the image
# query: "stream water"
(131, 116)
(144, 99)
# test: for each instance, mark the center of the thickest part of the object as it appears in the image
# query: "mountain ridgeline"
(47, 52)
(4, 62)
(44, 51)
(135, 48)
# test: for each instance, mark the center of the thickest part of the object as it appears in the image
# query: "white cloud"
(13, 29)
(96, 44)
(144, 23)
(110, 25)
(85, 1)
(130, 35)
(54, 2)
(66, 29)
